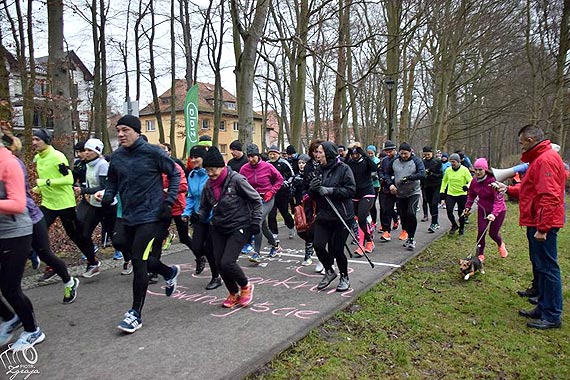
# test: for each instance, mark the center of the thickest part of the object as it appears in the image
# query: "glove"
(465, 188)
(315, 184)
(106, 201)
(194, 218)
(325, 190)
(267, 197)
(63, 169)
(491, 217)
(165, 212)
(254, 229)
(466, 211)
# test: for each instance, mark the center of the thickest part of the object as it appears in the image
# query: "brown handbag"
(305, 215)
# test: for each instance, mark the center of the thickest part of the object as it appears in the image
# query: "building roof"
(205, 100)
(41, 63)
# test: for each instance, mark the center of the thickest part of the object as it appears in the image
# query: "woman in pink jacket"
(490, 205)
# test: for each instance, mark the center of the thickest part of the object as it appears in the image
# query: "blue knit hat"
(371, 147)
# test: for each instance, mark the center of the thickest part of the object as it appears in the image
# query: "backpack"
(305, 214)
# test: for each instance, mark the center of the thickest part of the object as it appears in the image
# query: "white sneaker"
(307, 262)
(7, 329)
(28, 340)
(127, 268)
(319, 268)
(92, 270)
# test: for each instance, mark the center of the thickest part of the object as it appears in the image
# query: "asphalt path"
(189, 335)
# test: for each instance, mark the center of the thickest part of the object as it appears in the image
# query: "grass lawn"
(426, 322)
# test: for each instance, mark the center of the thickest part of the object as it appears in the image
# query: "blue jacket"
(196, 181)
(136, 173)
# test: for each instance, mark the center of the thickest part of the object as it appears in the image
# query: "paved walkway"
(189, 335)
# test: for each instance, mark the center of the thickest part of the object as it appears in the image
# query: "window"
(230, 105)
(150, 126)
(236, 126)
(222, 126)
(223, 148)
(205, 124)
(165, 100)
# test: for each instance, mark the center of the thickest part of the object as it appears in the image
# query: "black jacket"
(239, 205)
(236, 164)
(434, 173)
(362, 170)
(335, 174)
(136, 174)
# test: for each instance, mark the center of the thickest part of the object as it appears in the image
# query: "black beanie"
(131, 121)
(43, 134)
(427, 148)
(213, 159)
(197, 151)
(236, 145)
(291, 149)
(405, 146)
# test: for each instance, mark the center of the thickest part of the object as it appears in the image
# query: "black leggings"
(362, 209)
(40, 244)
(13, 255)
(202, 245)
(227, 247)
(181, 227)
(408, 208)
(282, 199)
(450, 202)
(387, 212)
(90, 216)
(120, 239)
(72, 228)
(430, 197)
(331, 235)
(374, 210)
(139, 242)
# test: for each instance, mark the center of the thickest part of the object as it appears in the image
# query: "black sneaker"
(329, 276)
(453, 230)
(172, 281)
(343, 284)
(70, 292)
(48, 273)
(152, 278)
(530, 292)
(214, 283)
(200, 264)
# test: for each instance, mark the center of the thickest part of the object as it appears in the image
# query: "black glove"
(326, 190)
(194, 218)
(63, 169)
(465, 188)
(107, 200)
(165, 212)
(254, 229)
(315, 184)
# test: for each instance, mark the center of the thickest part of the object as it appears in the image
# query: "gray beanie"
(454, 157)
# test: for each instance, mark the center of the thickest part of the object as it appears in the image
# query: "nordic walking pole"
(348, 229)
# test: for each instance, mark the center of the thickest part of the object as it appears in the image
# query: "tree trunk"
(339, 112)
(172, 81)
(97, 90)
(558, 111)
(245, 56)
(152, 75)
(104, 136)
(394, 13)
(58, 73)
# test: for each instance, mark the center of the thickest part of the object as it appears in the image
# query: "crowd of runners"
(347, 195)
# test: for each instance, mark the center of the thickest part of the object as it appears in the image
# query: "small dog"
(469, 266)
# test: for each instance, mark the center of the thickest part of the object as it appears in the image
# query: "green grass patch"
(426, 322)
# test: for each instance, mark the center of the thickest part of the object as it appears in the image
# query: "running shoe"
(70, 292)
(291, 233)
(214, 283)
(308, 261)
(172, 281)
(152, 278)
(92, 270)
(34, 259)
(168, 241)
(247, 249)
(127, 268)
(7, 329)
(255, 258)
(231, 301)
(131, 322)
(433, 227)
(274, 251)
(246, 295)
(118, 255)
(200, 264)
(48, 273)
(425, 218)
(410, 244)
(503, 250)
(369, 246)
(319, 268)
(343, 284)
(386, 236)
(403, 235)
(28, 340)
(359, 252)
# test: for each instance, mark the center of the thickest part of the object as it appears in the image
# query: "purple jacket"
(35, 213)
(491, 201)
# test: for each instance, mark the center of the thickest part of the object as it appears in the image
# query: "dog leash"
(481, 238)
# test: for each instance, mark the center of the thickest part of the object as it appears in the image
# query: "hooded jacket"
(362, 170)
(263, 177)
(490, 200)
(180, 203)
(335, 174)
(541, 192)
(196, 182)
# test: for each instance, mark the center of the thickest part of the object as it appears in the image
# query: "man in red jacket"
(541, 204)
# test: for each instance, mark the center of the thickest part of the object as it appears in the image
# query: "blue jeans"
(544, 258)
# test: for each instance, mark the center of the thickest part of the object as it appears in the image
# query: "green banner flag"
(191, 117)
